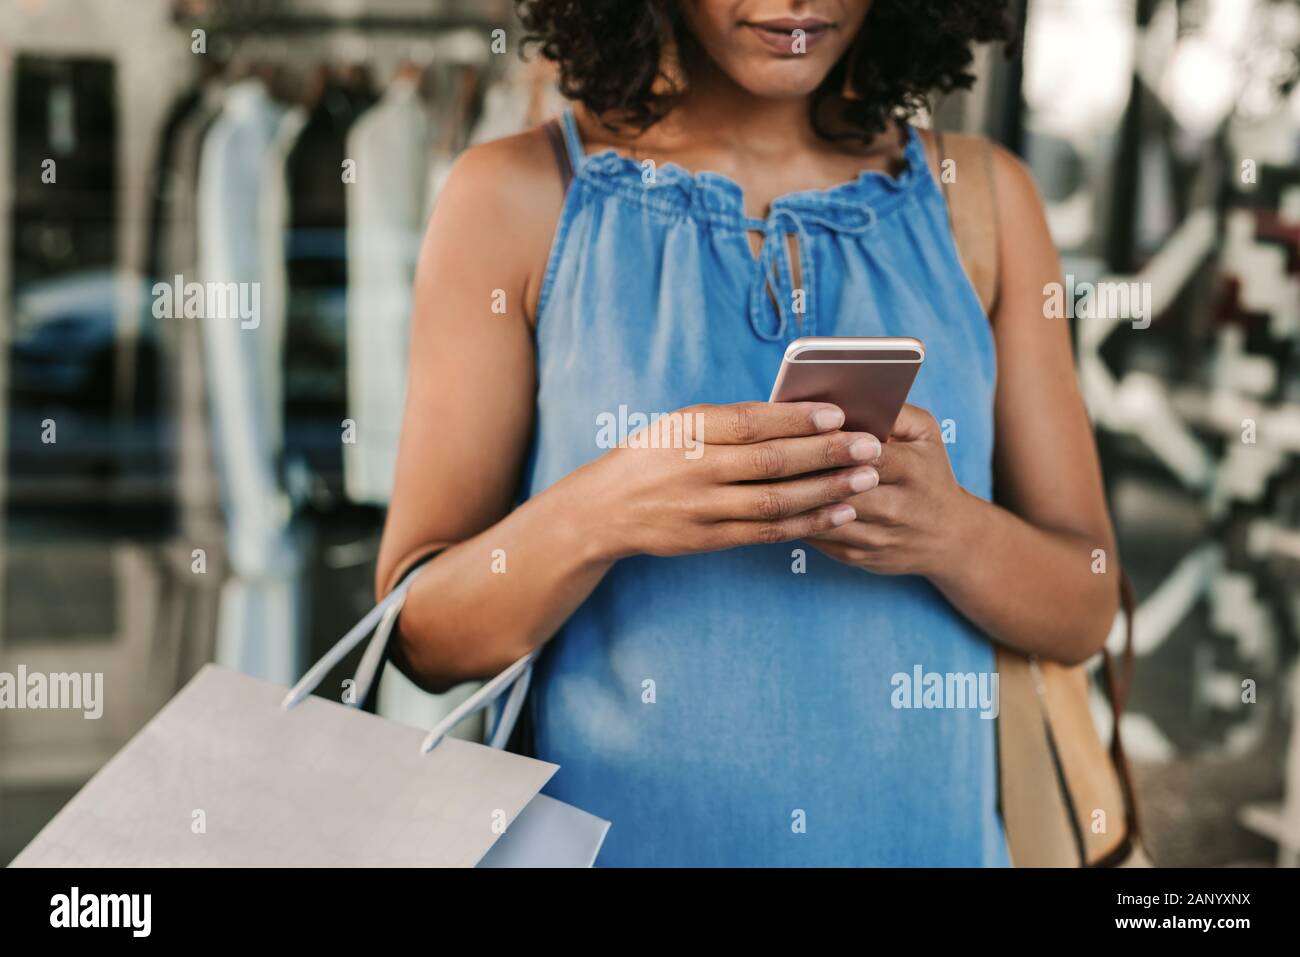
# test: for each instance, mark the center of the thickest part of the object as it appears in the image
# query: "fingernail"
(843, 514)
(827, 418)
(864, 479)
(865, 450)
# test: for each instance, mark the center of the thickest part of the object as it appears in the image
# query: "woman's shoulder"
(1006, 168)
(500, 204)
(513, 182)
(514, 173)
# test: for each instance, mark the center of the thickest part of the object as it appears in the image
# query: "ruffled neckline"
(721, 196)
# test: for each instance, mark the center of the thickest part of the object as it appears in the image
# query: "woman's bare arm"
(465, 432)
(1026, 571)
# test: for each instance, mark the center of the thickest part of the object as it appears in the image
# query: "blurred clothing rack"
(370, 23)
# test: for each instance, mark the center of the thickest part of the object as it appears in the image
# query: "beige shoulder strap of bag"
(1065, 802)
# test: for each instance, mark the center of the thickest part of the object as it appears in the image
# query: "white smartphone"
(868, 377)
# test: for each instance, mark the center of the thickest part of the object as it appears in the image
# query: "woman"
(719, 690)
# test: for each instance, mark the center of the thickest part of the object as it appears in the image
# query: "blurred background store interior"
(198, 503)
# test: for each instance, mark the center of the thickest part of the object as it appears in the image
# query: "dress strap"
(573, 139)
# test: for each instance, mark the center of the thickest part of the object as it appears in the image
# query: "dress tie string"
(775, 270)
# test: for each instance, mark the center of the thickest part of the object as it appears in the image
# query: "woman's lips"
(779, 35)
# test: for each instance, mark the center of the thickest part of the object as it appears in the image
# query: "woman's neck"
(715, 108)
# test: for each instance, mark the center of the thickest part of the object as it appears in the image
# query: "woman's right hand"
(711, 477)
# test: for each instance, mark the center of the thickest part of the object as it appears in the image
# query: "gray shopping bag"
(234, 772)
(549, 833)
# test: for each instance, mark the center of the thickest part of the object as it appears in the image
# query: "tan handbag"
(1066, 800)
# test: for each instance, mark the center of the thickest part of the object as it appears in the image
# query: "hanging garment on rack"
(190, 614)
(173, 251)
(460, 95)
(316, 268)
(525, 96)
(385, 211)
(272, 224)
(457, 105)
(259, 633)
(167, 178)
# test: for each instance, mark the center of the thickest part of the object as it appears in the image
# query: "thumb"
(914, 424)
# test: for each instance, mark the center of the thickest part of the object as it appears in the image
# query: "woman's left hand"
(907, 524)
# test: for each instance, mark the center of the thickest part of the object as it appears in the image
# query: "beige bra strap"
(966, 176)
(555, 134)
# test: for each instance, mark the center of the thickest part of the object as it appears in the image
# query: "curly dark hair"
(609, 57)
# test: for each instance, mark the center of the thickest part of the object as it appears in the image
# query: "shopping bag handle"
(383, 617)
(514, 679)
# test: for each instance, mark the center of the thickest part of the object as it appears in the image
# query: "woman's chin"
(782, 82)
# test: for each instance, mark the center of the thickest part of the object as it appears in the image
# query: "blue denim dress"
(739, 707)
